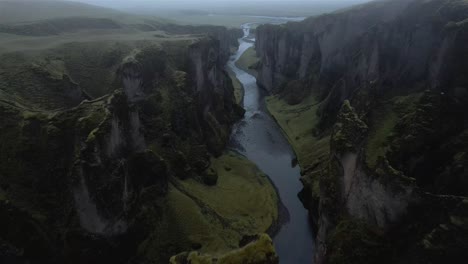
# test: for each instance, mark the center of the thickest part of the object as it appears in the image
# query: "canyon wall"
(390, 79)
(86, 178)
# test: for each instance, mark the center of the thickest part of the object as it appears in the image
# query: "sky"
(203, 3)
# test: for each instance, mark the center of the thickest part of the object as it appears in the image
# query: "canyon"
(337, 138)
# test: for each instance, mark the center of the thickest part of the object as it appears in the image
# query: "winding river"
(260, 139)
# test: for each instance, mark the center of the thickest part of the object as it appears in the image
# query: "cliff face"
(84, 181)
(390, 77)
(396, 43)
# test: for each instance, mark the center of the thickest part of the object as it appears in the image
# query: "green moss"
(248, 61)
(3, 195)
(348, 131)
(260, 251)
(382, 127)
(93, 65)
(353, 241)
(299, 125)
(238, 88)
(213, 219)
(92, 120)
(249, 201)
(210, 177)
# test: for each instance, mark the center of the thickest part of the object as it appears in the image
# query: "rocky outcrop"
(256, 250)
(399, 63)
(379, 197)
(214, 92)
(88, 178)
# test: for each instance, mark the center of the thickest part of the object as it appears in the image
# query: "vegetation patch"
(243, 195)
(248, 61)
(259, 251)
(213, 219)
(382, 128)
(238, 88)
(299, 124)
(354, 241)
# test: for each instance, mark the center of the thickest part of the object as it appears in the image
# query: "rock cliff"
(390, 81)
(84, 179)
(340, 52)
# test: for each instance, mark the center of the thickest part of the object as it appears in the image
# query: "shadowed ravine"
(261, 140)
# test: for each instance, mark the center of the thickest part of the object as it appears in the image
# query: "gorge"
(258, 137)
(336, 138)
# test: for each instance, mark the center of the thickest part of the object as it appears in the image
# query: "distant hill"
(14, 11)
(20, 11)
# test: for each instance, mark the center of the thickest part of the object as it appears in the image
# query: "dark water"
(260, 139)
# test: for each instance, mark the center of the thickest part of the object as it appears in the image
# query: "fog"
(300, 7)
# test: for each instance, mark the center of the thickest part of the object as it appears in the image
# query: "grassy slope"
(18, 11)
(383, 122)
(259, 251)
(298, 123)
(248, 59)
(14, 11)
(216, 217)
(238, 88)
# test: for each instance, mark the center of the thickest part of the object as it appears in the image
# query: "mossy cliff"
(99, 170)
(385, 84)
(259, 250)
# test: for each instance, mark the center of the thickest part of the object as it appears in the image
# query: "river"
(259, 138)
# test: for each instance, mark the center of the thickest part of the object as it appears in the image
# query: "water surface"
(260, 139)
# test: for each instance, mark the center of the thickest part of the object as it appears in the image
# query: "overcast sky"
(201, 3)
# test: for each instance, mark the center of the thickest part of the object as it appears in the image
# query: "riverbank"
(238, 88)
(298, 123)
(248, 62)
(213, 219)
(259, 138)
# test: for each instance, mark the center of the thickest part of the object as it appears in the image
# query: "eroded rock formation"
(390, 77)
(85, 178)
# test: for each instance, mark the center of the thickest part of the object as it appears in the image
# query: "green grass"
(378, 136)
(247, 60)
(238, 88)
(243, 202)
(258, 251)
(383, 122)
(298, 123)
(16, 11)
(230, 21)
